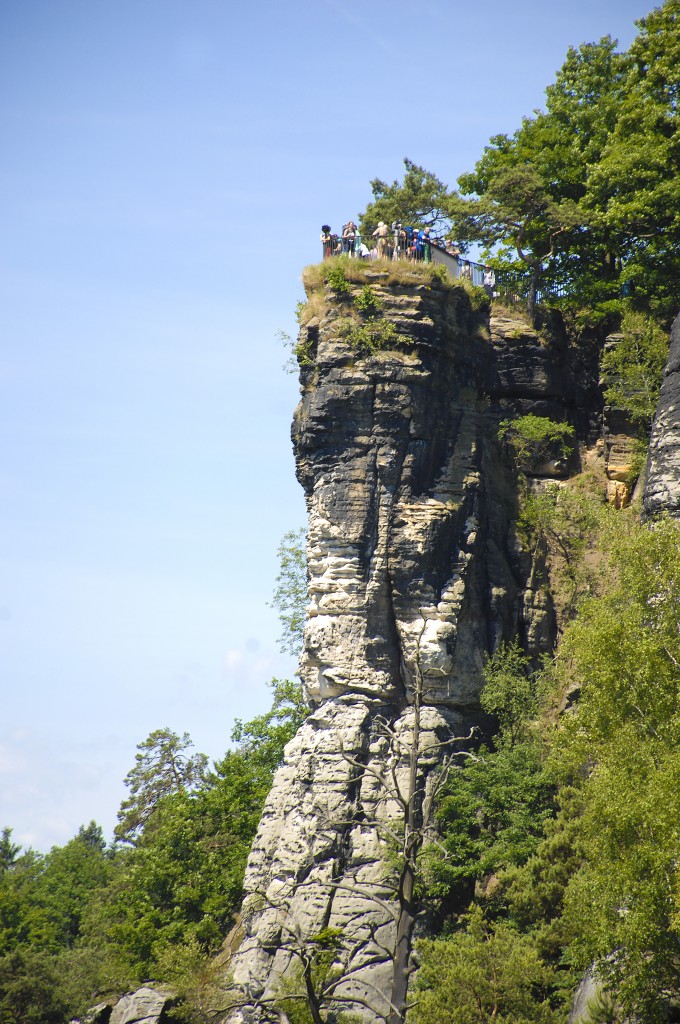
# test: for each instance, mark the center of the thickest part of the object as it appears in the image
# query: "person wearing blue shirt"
(423, 245)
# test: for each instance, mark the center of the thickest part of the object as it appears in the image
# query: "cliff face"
(662, 487)
(416, 575)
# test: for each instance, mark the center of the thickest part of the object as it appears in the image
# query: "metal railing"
(403, 245)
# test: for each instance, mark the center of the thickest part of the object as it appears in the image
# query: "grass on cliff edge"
(339, 271)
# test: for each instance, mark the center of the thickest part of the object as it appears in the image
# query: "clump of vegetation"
(487, 973)
(370, 336)
(335, 276)
(534, 439)
(634, 368)
(567, 197)
(299, 352)
(573, 845)
(566, 523)
(368, 302)
(290, 592)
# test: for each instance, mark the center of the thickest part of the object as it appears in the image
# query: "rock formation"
(148, 1005)
(416, 574)
(662, 487)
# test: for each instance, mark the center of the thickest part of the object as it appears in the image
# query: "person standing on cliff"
(349, 234)
(423, 246)
(381, 233)
(489, 281)
(453, 250)
(326, 240)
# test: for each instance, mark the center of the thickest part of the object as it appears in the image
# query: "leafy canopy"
(421, 200)
(621, 747)
(633, 368)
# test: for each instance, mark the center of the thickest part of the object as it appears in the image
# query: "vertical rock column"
(662, 486)
(409, 580)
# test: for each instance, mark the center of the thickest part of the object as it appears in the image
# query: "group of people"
(398, 243)
(392, 243)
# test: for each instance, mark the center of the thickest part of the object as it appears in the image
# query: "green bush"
(533, 438)
(367, 301)
(373, 335)
(336, 279)
(634, 368)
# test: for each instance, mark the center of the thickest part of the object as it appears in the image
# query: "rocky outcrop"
(662, 486)
(148, 1005)
(145, 1006)
(416, 574)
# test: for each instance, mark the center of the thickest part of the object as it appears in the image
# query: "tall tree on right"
(634, 189)
(586, 193)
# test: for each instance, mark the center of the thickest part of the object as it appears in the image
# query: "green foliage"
(306, 993)
(535, 438)
(30, 988)
(162, 767)
(263, 738)
(44, 906)
(367, 301)
(602, 1010)
(493, 808)
(335, 278)
(421, 200)
(9, 851)
(373, 335)
(509, 691)
(569, 191)
(290, 592)
(183, 881)
(43, 899)
(85, 919)
(634, 188)
(633, 368)
(298, 352)
(621, 746)
(532, 894)
(491, 816)
(566, 522)
(485, 975)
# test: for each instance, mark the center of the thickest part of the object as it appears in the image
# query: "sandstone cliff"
(416, 574)
(662, 487)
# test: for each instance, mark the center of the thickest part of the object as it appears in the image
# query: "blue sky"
(165, 170)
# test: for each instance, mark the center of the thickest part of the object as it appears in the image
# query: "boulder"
(145, 1006)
